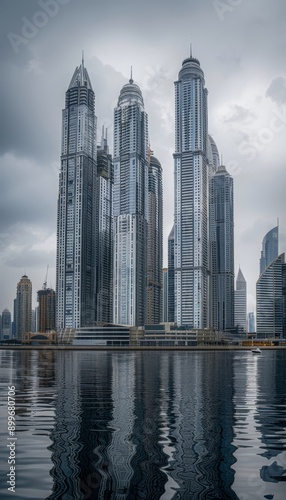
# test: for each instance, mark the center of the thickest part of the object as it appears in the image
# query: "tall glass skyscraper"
(191, 265)
(269, 250)
(130, 207)
(104, 222)
(222, 249)
(76, 228)
(271, 300)
(155, 243)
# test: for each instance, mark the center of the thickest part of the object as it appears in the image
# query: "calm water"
(146, 425)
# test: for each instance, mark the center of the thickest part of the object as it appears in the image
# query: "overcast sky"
(241, 45)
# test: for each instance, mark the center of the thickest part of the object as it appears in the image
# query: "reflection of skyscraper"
(171, 278)
(269, 250)
(130, 206)
(240, 296)
(23, 307)
(104, 259)
(155, 243)
(271, 300)
(191, 197)
(76, 206)
(222, 249)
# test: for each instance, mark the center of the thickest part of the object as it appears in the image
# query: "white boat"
(256, 350)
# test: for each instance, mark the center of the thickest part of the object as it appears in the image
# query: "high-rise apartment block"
(5, 326)
(154, 243)
(130, 207)
(240, 303)
(191, 254)
(76, 228)
(23, 307)
(222, 249)
(46, 310)
(171, 278)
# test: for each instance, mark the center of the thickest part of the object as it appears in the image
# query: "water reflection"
(260, 425)
(147, 425)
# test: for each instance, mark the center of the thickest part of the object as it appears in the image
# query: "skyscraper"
(240, 300)
(171, 278)
(104, 223)
(154, 243)
(251, 322)
(271, 300)
(5, 327)
(191, 197)
(269, 250)
(222, 249)
(23, 307)
(165, 295)
(130, 207)
(46, 310)
(76, 228)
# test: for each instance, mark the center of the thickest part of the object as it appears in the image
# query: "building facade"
(5, 326)
(165, 295)
(76, 228)
(269, 250)
(171, 278)
(46, 310)
(130, 207)
(222, 249)
(104, 222)
(240, 303)
(154, 243)
(23, 307)
(251, 322)
(271, 300)
(191, 254)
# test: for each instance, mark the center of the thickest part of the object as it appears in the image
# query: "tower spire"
(191, 50)
(131, 79)
(82, 58)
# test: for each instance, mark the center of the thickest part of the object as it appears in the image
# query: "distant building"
(171, 278)
(6, 330)
(271, 300)
(154, 243)
(240, 303)
(46, 310)
(104, 224)
(251, 322)
(269, 250)
(23, 307)
(34, 320)
(165, 295)
(222, 249)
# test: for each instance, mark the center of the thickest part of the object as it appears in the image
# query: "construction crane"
(44, 287)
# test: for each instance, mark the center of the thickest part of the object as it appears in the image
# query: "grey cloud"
(238, 114)
(277, 90)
